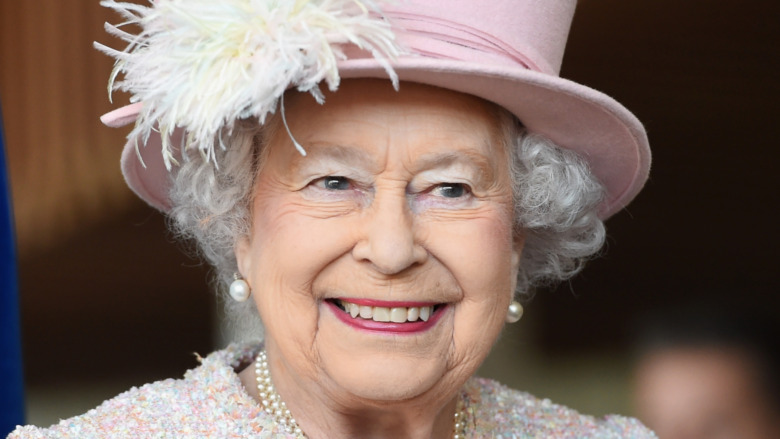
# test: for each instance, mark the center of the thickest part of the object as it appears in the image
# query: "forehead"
(418, 120)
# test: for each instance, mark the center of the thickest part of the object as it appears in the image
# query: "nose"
(388, 240)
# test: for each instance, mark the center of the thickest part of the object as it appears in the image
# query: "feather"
(201, 65)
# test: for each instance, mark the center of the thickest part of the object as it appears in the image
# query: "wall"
(63, 162)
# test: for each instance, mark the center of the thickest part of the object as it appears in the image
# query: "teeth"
(398, 315)
(354, 309)
(382, 314)
(425, 313)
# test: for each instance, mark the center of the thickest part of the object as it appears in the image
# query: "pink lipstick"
(384, 316)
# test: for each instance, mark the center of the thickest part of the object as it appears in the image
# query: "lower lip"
(388, 327)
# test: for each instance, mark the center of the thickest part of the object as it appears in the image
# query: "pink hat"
(505, 51)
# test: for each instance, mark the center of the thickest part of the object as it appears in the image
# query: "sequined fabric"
(496, 411)
(210, 402)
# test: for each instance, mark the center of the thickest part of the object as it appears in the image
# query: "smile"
(396, 314)
(386, 316)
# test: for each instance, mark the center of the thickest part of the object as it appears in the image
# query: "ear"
(517, 251)
(243, 253)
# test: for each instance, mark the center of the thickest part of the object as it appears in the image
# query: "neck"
(380, 422)
(322, 412)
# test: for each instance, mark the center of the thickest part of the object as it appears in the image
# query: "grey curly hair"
(556, 200)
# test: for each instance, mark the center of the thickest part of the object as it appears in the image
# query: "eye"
(335, 189)
(451, 190)
(333, 183)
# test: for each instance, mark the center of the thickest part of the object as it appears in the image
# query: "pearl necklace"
(272, 404)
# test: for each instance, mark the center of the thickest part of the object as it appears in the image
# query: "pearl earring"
(515, 312)
(239, 289)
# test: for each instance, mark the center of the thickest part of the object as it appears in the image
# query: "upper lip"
(387, 303)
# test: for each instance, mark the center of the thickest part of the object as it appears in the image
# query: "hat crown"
(529, 33)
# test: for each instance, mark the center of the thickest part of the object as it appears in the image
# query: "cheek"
(479, 252)
(289, 250)
(292, 246)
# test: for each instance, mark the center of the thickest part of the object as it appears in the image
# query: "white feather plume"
(201, 65)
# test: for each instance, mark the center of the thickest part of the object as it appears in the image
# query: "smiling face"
(382, 262)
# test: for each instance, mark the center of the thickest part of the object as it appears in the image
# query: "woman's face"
(402, 207)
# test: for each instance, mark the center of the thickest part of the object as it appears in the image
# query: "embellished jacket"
(210, 402)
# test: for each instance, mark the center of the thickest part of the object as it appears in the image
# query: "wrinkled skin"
(402, 196)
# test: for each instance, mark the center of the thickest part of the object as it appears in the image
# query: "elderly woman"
(376, 182)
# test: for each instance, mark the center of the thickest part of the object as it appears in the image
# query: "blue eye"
(451, 190)
(335, 183)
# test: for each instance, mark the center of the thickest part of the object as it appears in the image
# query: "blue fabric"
(11, 382)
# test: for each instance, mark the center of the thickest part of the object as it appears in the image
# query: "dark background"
(702, 76)
(115, 296)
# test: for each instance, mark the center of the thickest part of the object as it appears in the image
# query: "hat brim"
(573, 116)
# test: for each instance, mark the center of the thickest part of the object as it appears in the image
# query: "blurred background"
(110, 301)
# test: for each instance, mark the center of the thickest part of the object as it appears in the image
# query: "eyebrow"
(444, 159)
(339, 153)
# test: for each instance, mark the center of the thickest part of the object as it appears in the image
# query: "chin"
(386, 377)
(383, 367)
